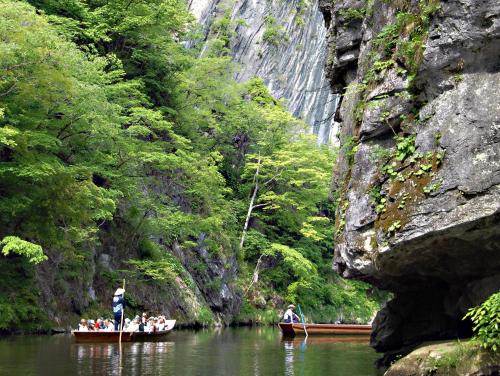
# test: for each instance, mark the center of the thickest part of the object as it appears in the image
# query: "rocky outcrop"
(452, 358)
(202, 292)
(417, 180)
(284, 43)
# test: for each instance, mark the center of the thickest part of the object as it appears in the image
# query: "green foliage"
(486, 320)
(379, 154)
(274, 34)
(404, 39)
(295, 261)
(433, 187)
(205, 316)
(405, 147)
(351, 14)
(19, 307)
(378, 199)
(33, 252)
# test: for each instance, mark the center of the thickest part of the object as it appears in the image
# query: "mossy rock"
(447, 358)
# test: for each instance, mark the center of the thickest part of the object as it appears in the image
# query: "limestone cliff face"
(418, 176)
(284, 43)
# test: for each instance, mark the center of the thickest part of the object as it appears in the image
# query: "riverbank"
(447, 358)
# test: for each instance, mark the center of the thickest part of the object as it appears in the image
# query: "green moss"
(451, 358)
(409, 175)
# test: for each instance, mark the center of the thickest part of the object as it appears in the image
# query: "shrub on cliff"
(486, 319)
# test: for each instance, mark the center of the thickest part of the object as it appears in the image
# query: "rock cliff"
(284, 43)
(418, 177)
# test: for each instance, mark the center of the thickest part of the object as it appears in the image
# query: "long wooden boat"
(291, 330)
(298, 341)
(104, 336)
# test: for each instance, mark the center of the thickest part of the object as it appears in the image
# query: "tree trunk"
(251, 205)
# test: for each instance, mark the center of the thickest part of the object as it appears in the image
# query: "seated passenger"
(140, 325)
(90, 325)
(83, 326)
(134, 326)
(108, 326)
(161, 324)
(150, 327)
(290, 316)
(98, 325)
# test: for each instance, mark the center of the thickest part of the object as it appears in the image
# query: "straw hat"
(119, 291)
(291, 306)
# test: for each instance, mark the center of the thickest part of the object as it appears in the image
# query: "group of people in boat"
(137, 324)
(145, 324)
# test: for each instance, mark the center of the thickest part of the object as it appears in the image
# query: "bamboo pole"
(303, 321)
(123, 310)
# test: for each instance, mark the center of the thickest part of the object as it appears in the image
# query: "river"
(233, 351)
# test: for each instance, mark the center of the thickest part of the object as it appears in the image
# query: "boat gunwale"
(105, 336)
(293, 329)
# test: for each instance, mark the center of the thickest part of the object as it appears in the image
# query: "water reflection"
(131, 358)
(288, 345)
(243, 352)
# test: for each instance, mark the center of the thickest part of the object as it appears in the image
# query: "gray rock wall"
(418, 177)
(293, 67)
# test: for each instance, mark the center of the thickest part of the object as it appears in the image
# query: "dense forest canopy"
(116, 132)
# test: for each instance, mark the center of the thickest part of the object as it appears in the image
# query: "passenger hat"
(291, 306)
(119, 291)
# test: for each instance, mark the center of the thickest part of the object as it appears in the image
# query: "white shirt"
(83, 328)
(288, 315)
(132, 327)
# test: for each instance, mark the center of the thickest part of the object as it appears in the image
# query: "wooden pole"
(303, 321)
(123, 310)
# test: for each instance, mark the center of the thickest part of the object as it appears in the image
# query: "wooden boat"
(102, 336)
(290, 330)
(298, 341)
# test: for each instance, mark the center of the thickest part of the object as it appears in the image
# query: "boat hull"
(106, 337)
(290, 330)
(286, 329)
(102, 336)
(95, 337)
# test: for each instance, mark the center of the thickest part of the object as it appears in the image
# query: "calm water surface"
(240, 351)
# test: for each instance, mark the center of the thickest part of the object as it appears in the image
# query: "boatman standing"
(290, 316)
(118, 307)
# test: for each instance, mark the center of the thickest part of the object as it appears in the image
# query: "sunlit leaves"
(486, 320)
(13, 244)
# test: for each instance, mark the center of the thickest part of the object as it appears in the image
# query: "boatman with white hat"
(118, 307)
(290, 316)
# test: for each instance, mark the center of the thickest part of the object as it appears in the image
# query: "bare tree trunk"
(251, 205)
(255, 277)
